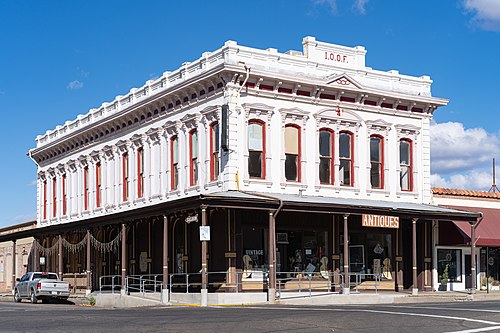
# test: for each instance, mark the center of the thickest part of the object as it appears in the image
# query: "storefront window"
(451, 259)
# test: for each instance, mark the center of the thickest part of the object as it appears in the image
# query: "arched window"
(193, 157)
(376, 161)
(54, 197)
(86, 188)
(64, 194)
(125, 176)
(44, 199)
(214, 151)
(326, 156)
(346, 159)
(256, 150)
(98, 185)
(174, 167)
(405, 163)
(140, 172)
(292, 153)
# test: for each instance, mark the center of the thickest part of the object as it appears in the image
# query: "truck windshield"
(45, 276)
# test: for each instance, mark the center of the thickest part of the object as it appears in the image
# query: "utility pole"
(494, 188)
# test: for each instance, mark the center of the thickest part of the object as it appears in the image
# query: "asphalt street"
(463, 317)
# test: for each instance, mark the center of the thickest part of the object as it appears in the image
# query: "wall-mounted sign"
(193, 218)
(204, 233)
(42, 260)
(380, 221)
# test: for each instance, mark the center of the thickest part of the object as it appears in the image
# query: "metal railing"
(216, 281)
(147, 283)
(366, 280)
(110, 282)
(308, 282)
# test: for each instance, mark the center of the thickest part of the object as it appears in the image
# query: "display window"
(449, 261)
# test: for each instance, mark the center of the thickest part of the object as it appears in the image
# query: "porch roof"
(487, 232)
(343, 205)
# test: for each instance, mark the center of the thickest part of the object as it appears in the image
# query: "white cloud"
(74, 85)
(462, 158)
(485, 13)
(33, 182)
(25, 218)
(359, 5)
(330, 3)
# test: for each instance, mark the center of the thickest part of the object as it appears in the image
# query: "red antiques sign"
(380, 221)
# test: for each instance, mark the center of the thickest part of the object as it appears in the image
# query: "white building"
(316, 131)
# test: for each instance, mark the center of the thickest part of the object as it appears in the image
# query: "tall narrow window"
(98, 185)
(44, 199)
(292, 153)
(125, 176)
(54, 197)
(86, 188)
(193, 160)
(174, 153)
(64, 194)
(325, 156)
(405, 163)
(256, 152)
(346, 159)
(140, 172)
(376, 161)
(214, 151)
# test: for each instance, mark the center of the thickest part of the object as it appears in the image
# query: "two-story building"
(287, 159)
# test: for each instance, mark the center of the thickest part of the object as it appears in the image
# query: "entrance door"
(468, 272)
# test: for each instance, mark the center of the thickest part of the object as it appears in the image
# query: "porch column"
(164, 294)
(13, 263)
(414, 291)
(272, 259)
(89, 277)
(60, 257)
(347, 288)
(124, 258)
(36, 256)
(204, 291)
(473, 259)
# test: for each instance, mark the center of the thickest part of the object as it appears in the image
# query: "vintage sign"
(204, 233)
(380, 221)
(193, 218)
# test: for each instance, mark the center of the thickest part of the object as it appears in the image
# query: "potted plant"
(444, 279)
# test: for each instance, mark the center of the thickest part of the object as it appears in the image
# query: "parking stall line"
(475, 330)
(445, 308)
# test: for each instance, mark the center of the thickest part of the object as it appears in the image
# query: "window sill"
(293, 185)
(213, 183)
(384, 191)
(124, 203)
(139, 200)
(257, 181)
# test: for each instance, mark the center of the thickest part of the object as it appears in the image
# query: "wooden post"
(89, 277)
(165, 252)
(272, 258)
(414, 257)
(124, 258)
(473, 259)
(60, 257)
(36, 256)
(13, 263)
(347, 287)
(204, 277)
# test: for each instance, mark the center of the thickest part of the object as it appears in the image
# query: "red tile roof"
(465, 193)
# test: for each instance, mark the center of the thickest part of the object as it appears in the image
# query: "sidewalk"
(77, 299)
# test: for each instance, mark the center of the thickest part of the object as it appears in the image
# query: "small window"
(346, 160)
(54, 197)
(174, 153)
(64, 194)
(44, 199)
(405, 163)
(292, 153)
(98, 185)
(140, 172)
(256, 152)
(125, 176)
(376, 162)
(86, 191)
(214, 151)
(193, 150)
(326, 156)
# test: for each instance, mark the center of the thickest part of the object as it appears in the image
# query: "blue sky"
(58, 59)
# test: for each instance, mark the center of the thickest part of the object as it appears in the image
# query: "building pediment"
(342, 80)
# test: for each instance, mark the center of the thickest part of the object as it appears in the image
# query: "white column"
(79, 190)
(117, 176)
(104, 180)
(132, 174)
(336, 173)
(148, 168)
(163, 164)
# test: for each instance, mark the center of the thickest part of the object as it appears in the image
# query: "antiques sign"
(380, 221)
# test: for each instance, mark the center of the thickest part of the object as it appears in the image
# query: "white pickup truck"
(41, 285)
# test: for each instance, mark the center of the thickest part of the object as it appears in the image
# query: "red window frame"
(125, 176)
(299, 155)
(192, 160)
(214, 154)
(98, 185)
(174, 165)
(86, 188)
(263, 151)
(332, 154)
(409, 165)
(64, 194)
(140, 172)
(54, 197)
(44, 199)
(381, 162)
(351, 159)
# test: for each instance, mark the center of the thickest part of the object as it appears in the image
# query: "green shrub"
(92, 300)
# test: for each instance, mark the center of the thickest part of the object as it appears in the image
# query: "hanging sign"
(193, 218)
(380, 221)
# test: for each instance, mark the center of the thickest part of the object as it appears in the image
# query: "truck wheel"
(33, 297)
(17, 297)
